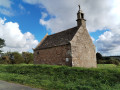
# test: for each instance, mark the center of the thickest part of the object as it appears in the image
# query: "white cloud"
(5, 3)
(44, 15)
(100, 14)
(92, 39)
(109, 43)
(21, 7)
(15, 40)
(42, 21)
(5, 7)
(6, 12)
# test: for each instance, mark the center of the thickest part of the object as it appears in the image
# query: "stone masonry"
(72, 47)
(54, 56)
(83, 50)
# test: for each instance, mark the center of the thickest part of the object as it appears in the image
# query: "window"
(67, 59)
(82, 15)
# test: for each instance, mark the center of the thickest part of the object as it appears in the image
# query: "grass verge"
(63, 77)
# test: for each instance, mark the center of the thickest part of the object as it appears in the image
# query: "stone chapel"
(72, 47)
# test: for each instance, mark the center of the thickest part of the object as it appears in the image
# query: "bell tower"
(80, 18)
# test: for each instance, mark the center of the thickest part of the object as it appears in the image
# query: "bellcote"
(80, 18)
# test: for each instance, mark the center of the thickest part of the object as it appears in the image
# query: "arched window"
(82, 15)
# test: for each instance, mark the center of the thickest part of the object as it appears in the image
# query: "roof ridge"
(63, 31)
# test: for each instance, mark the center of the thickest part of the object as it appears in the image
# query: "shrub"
(28, 57)
(116, 62)
(112, 61)
(4, 60)
(17, 58)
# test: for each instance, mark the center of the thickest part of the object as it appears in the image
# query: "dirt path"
(11, 86)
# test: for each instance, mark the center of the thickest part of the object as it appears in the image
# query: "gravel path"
(11, 86)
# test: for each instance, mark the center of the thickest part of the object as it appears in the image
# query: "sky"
(23, 23)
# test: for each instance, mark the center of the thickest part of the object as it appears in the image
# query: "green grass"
(106, 66)
(63, 77)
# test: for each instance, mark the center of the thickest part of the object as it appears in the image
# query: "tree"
(2, 44)
(28, 57)
(16, 58)
(98, 56)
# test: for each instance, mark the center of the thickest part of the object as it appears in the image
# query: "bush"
(17, 58)
(28, 57)
(101, 61)
(4, 60)
(111, 61)
(116, 62)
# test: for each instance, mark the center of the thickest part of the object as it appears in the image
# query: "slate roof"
(58, 39)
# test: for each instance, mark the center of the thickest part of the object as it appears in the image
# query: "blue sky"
(25, 22)
(27, 18)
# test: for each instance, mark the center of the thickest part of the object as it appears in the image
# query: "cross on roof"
(79, 7)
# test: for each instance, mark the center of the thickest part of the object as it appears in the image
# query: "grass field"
(62, 77)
